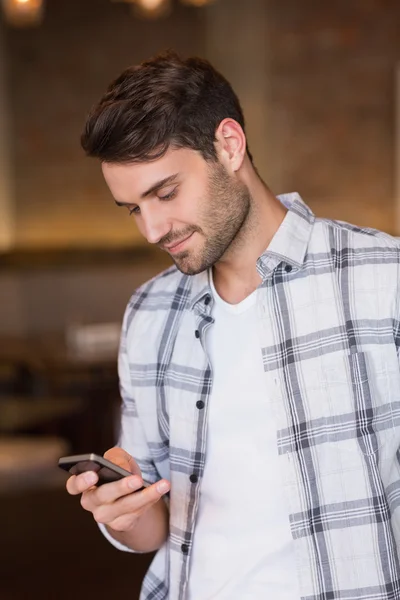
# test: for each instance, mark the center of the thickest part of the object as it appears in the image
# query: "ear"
(230, 143)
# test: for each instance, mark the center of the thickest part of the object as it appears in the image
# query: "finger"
(121, 458)
(77, 484)
(111, 492)
(100, 501)
(123, 523)
(132, 504)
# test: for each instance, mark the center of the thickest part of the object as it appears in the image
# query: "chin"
(189, 267)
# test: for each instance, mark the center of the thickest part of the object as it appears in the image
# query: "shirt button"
(185, 548)
(193, 478)
(288, 268)
(200, 404)
(197, 333)
(207, 299)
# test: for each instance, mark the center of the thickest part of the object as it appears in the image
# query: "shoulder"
(346, 237)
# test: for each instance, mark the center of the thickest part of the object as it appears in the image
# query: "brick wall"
(331, 102)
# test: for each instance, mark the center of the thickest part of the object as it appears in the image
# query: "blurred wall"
(57, 72)
(6, 172)
(332, 102)
(236, 40)
(328, 77)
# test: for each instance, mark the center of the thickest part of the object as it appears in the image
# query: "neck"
(235, 275)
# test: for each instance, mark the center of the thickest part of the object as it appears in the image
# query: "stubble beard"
(226, 213)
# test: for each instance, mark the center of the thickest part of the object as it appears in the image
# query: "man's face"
(191, 208)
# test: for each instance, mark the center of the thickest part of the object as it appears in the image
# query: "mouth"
(178, 246)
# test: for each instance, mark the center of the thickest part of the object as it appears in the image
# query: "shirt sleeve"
(396, 320)
(131, 435)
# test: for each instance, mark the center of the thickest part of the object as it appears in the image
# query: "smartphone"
(80, 463)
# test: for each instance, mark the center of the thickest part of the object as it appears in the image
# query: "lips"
(177, 246)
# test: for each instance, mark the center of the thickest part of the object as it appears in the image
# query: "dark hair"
(165, 101)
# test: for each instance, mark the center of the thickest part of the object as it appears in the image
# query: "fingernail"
(90, 478)
(162, 487)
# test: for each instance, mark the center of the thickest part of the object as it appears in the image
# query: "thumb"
(120, 457)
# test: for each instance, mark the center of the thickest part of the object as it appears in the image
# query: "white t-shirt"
(242, 545)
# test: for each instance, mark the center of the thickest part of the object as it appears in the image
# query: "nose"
(154, 225)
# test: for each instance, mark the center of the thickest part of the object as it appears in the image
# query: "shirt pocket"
(363, 393)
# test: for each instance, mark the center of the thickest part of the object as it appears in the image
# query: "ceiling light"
(23, 13)
(151, 8)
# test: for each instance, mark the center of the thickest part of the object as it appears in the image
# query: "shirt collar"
(201, 290)
(290, 242)
(288, 245)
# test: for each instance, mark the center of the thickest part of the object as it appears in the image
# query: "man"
(259, 376)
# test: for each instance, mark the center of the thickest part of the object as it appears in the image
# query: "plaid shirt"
(328, 309)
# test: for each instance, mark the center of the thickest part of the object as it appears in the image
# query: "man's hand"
(118, 505)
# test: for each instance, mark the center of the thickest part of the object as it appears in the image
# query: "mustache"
(176, 236)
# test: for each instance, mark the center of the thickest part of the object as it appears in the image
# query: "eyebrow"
(154, 188)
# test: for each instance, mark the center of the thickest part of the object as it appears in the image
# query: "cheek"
(193, 208)
(182, 214)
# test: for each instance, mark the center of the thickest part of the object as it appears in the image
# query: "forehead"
(136, 178)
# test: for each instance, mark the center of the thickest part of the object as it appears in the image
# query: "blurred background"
(319, 83)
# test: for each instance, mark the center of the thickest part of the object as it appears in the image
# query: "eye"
(168, 196)
(134, 211)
